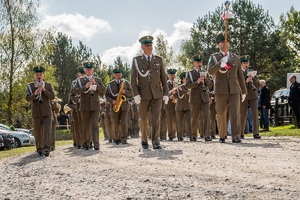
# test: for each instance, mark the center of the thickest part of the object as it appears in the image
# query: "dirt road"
(255, 169)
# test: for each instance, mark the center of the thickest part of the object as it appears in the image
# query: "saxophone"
(120, 98)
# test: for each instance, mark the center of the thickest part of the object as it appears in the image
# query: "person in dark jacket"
(264, 104)
(294, 98)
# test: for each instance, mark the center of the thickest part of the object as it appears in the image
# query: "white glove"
(137, 99)
(243, 97)
(224, 60)
(166, 99)
(93, 87)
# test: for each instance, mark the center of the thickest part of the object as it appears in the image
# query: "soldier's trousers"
(184, 119)
(163, 124)
(230, 103)
(144, 108)
(212, 111)
(42, 132)
(109, 128)
(77, 128)
(171, 119)
(90, 124)
(197, 109)
(253, 104)
(119, 121)
(53, 133)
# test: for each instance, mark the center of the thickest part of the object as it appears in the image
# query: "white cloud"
(76, 25)
(181, 32)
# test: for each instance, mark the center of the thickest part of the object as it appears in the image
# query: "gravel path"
(256, 169)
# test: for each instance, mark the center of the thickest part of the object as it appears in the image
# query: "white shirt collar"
(147, 56)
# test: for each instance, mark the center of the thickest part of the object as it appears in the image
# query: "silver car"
(20, 138)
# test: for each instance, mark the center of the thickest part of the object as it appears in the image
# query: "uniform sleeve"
(241, 79)
(190, 83)
(128, 91)
(213, 65)
(100, 87)
(108, 95)
(49, 92)
(134, 79)
(29, 94)
(164, 79)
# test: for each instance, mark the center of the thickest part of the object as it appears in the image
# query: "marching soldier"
(90, 88)
(199, 83)
(117, 92)
(149, 85)
(228, 87)
(170, 107)
(40, 93)
(252, 85)
(183, 108)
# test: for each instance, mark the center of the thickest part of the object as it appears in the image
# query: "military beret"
(88, 64)
(182, 75)
(197, 57)
(245, 58)
(171, 71)
(80, 70)
(146, 39)
(117, 70)
(39, 69)
(221, 37)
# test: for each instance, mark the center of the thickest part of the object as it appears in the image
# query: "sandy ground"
(256, 169)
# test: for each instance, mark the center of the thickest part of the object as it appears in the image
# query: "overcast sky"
(113, 27)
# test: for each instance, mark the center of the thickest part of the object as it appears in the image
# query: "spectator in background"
(264, 104)
(294, 98)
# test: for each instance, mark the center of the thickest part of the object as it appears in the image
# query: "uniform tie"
(149, 60)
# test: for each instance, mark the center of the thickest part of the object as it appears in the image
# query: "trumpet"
(203, 73)
(39, 85)
(251, 73)
(175, 88)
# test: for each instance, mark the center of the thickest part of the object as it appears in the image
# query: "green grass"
(289, 130)
(63, 137)
(16, 151)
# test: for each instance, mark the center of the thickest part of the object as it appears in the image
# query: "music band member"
(228, 86)
(89, 88)
(39, 94)
(149, 86)
(198, 82)
(117, 93)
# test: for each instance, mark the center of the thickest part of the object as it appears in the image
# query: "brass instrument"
(67, 109)
(203, 74)
(120, 98)
(39, 84)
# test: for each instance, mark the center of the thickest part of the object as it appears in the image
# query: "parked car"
(1, 142)
(20, 138)
(285, 93)
(8, 140)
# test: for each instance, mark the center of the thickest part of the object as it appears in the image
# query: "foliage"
(165, 51)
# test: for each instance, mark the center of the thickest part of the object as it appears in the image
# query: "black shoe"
(242, 137)
(180, 139)
(207, 139)
(78, 147)
(74, 145)
(201, 136)
(40, 154)
(222, 140)
(156, 146)
(213, 137)
(193, 139)
(124, 142)
(225, 137)
(145, 145)
(256, 136)
(46, 153)
(236, 140)
(110, 141)
(96, 148)
(163, 139)
(170, 139)
(117, 142)
(86, 148)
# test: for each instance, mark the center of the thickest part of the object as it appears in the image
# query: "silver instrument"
(39, 85)
(203, 73)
